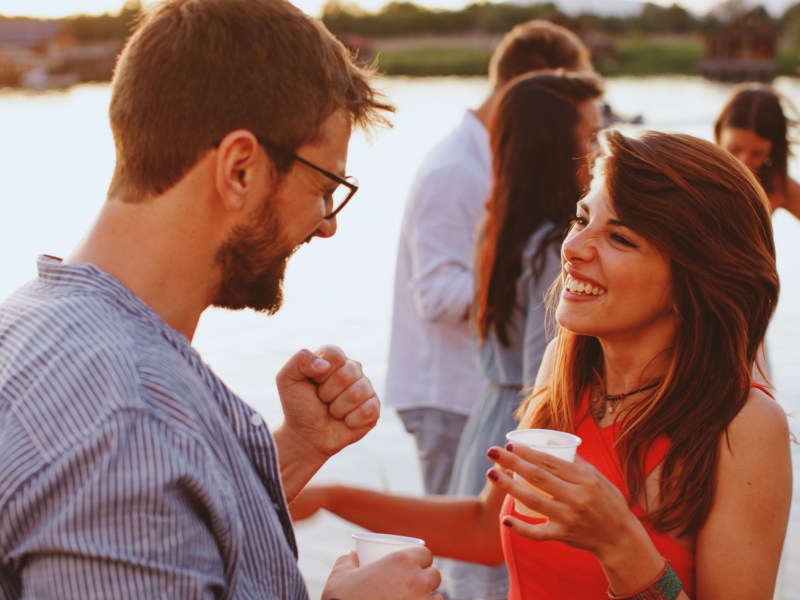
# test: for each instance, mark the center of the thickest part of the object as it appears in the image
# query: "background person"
(755, 129)
(542, 134)
(683, 485)
(433, 378)
(127, 468)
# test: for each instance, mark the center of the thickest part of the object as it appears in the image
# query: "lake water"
(56, 157)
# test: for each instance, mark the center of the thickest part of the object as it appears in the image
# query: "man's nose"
(326, 229)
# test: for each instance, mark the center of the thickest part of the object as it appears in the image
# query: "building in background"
(744, 49)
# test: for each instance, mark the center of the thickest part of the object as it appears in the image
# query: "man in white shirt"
(433, 377)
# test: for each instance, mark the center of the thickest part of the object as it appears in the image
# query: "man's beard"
(252, 262)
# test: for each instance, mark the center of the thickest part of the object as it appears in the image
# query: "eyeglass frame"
(346, 181)
(350, 182)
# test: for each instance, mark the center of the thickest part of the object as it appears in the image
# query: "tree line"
(403, 18)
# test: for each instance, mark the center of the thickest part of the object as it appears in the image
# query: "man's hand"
(403, 575)
(328, 404)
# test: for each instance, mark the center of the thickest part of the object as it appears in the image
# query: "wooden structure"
(743, 50)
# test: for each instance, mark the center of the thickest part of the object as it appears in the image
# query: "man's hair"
(535, 46)
(195, 70)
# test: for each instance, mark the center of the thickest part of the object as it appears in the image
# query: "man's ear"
(237, 157)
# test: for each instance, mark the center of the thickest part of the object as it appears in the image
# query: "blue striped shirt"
(127, 468)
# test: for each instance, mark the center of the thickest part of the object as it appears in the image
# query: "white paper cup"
(372, 546)
(556, 443)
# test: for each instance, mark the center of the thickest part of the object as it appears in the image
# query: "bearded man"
(127, 468)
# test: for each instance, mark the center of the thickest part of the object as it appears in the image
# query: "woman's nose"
(577, 246)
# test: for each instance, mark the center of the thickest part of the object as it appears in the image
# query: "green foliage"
(637, 56)
(790, 23)
(434, 61)
(107, 27)
(653, 56)
(405, 18)
(670, 19)
(788, 59)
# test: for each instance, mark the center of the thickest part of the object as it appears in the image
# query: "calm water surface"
(56, 157)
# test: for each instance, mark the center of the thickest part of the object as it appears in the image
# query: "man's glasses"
(335, 199)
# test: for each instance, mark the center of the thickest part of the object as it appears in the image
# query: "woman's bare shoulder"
(761, 425)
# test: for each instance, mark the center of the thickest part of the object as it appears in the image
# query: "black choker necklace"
(605, 402)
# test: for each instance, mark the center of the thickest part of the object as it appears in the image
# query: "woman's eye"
(621, 239)
(577, 222)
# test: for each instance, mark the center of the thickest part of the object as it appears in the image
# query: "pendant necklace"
(604, 403)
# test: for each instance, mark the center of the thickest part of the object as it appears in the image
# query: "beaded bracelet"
(666, 586)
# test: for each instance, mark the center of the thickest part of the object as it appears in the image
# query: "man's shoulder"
(75, 360)
(459, 150)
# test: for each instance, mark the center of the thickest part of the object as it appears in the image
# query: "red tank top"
(554, 570)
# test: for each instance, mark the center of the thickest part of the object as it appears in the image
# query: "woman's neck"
(627, 368)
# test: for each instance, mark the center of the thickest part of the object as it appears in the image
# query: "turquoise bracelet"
(666, 586)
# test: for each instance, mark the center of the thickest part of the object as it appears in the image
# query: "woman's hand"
(586, 510)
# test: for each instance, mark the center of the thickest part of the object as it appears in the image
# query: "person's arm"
(792, 203)
(441, 233)
(328, 404)
(464, 528)
(536, 326)
(543, 377)
(739, 546)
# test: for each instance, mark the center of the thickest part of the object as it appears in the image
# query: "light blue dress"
(511, 370)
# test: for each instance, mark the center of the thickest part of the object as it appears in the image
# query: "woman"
(753, 127)
(683, 482)
(668, 283)
(541, 124)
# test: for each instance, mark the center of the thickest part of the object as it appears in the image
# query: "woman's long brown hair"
(708, 215)
(534, 149)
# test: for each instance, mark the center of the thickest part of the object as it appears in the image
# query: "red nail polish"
(493, 475)
(493, 453)
(510, 447)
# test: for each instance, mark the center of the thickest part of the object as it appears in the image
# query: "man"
(433, 379)
(127, 468)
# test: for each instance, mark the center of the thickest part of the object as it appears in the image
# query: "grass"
(652, 56)
(636, 55)
(434, 61)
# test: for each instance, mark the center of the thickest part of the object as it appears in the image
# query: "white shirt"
(432, 352)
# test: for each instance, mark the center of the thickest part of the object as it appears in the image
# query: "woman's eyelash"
(578, 220)
(623, 240)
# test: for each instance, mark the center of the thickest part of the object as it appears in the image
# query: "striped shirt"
(127, 468)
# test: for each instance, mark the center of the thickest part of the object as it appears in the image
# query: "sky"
(61, 8)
